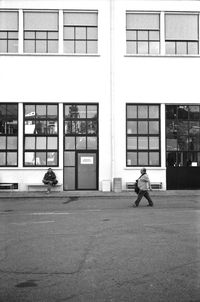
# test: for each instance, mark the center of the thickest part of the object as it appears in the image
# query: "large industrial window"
(9, 32)
(142, 33)
(8, 135)
(183, 135)
(80, 32)
(40, 135)
(181, 33)
(142, 135)
(41, 32)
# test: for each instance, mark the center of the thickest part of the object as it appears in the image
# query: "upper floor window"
(142, 33)
(181, 33)
(40, 135)
(80, 32)
(41, 32)
(8, 134)
(9, 32)
(143, 135)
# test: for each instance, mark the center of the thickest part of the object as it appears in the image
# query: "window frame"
(36, 135)
(6, 135)
(7, 32)
(147, 135)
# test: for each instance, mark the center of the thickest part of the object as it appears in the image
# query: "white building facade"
(98, 89)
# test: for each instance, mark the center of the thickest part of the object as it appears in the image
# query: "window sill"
(49, 55)
(161, 56)
(147, 167)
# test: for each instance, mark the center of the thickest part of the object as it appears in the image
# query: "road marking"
(63, 213)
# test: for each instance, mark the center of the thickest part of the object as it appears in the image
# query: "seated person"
(49, 179)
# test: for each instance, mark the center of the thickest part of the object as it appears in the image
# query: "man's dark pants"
(146, 195)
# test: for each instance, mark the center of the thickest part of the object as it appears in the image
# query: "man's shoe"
(136, 204)
(150, 205)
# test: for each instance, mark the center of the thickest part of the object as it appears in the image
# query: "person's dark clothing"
(50, 177)
(146, 195)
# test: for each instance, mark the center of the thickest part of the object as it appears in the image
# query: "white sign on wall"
(89, 160)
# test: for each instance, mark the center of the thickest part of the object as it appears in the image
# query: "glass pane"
(182, 143)
(41, 35)
(171, 159)
(12, 158)
(91, 127)
(181, 48)
(153, 143)
(193, 48)
(80, 33)
(29, 46)
(69, 176)
(52, 127)
(80, 18)
(154, 35)
(68, 47)
(171, 111)
(2, 158)
(52, 158)
(29, 143)
(194, 113)
(3, 35)
(182, 128)
(142, 158)
(194, 143)
(131, 35)
(52, 143)
(142, 21)
(29, 35)
(41, 143)
(68, 33)
(142, 111)
(131, 111)
(29, 158)
(142, 35)
(2, 142)
(52, 111)
(194, 128)
(153, 111)
(8, 20)
(143, 48)
(131, 158)
(181, 27)
(81, 127)
(131, 143)
(69, 142)
(153, 127)
(154, 48)
(12, 142)
(29, 111)
(131, 127)
(172, 144)
(53, 35)
(92, 143)
(12, 112)
(73, 127)
(68, 127)
(69, 158)
(154, 159)
(41, 46)
(40, 158)
(80, 46)
(3, 45)
(80, 142)
(41, 20)
(131, 47)
(183, 112)
(12, 46)
(170, 48)
(81, 111)
(52, 46)
(91, 111)
(142, 127)
(142, 143)
(92, 33)
(40, 127)
(75, 111)
(29, 127)
(92, 47)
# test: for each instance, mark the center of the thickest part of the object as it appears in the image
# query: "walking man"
(144, 185)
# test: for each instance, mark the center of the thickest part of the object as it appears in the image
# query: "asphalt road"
(100, 249)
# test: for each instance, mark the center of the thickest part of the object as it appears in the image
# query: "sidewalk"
(63, 194)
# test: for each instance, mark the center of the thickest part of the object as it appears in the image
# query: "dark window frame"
(137, 135)
(6, 150)
(35, 135)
